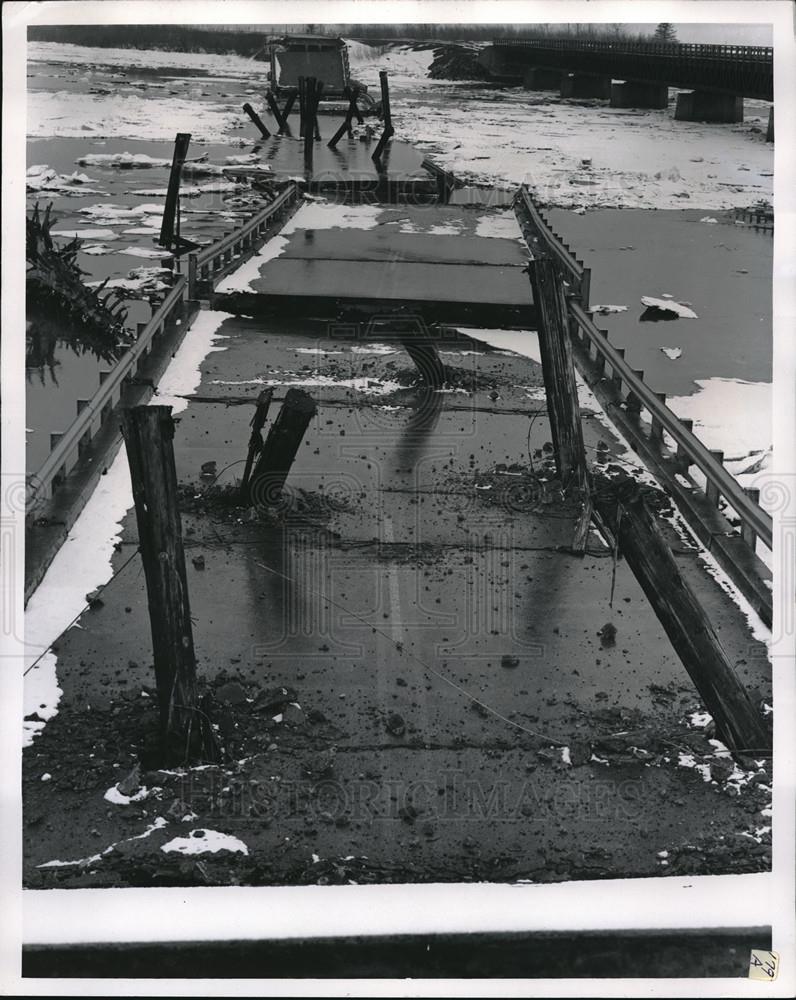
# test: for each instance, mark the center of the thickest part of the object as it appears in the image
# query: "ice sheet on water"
(668, 305)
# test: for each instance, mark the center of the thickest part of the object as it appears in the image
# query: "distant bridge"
(738, 70)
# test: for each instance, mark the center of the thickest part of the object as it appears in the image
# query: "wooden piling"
(181, 144)
(255, 440)
(624, 513)
(386, 114)
(257, 121)
(148, 432)
(559, 372)
(280, 448)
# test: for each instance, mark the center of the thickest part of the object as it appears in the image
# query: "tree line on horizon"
(248, 40)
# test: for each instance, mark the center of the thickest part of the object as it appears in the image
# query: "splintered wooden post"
(280, 448)
(689, 629)
(257, 121)
(309, 122)
(558, 370)
(316, 102)
(148, 432)
(386, 114)
(181, 143)
(255, 440)
(385, 100)
(302, 99)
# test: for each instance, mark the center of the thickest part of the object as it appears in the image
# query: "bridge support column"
(705, 106)
(542, 78)
(770, 129)
(639, 95)
(585, 85)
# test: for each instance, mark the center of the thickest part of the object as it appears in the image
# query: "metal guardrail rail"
(720, 483)
(205, 266)
(92, 414)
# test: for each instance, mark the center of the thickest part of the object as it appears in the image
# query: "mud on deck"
(403, 661)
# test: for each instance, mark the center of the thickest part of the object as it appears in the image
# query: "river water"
(84, 102)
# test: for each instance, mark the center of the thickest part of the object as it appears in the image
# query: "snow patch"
(205, 842)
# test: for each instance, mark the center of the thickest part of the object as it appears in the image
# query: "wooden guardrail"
(92, 414)
(207, 266)
(637, 395)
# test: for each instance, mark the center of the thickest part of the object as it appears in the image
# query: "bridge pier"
(770, 129)
(706, 106)
(633, 94)
(585, 85)
(542, 78)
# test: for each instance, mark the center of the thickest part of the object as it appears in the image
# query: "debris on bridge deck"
(418, 660)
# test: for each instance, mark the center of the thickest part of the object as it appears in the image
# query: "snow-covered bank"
(83, 562)
(64, 53)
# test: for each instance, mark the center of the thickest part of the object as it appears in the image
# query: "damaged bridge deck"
(407, 666)
(403, 661)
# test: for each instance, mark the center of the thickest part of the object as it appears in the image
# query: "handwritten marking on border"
(763, 965)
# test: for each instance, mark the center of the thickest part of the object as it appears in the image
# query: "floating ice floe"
(605, 310)
(668, 305)
(150, 253)
(40, 177)
(205, 842)
(112, 214)
(193, 191)
(672, 353)
(85, 234)
(96, 249)
(141, 279)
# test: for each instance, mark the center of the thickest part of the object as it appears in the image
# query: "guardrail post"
(748, 533)
(632, 402)
(616, 378)
(585, 288)
(711, 491)
(192, 275)
(681, 455)
(656, 430)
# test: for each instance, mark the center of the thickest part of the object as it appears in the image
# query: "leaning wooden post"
(623, 512)
(255, 440)
(181, 143)
(280, 448)
(148, 432)
(257, 121)
(558, 370)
